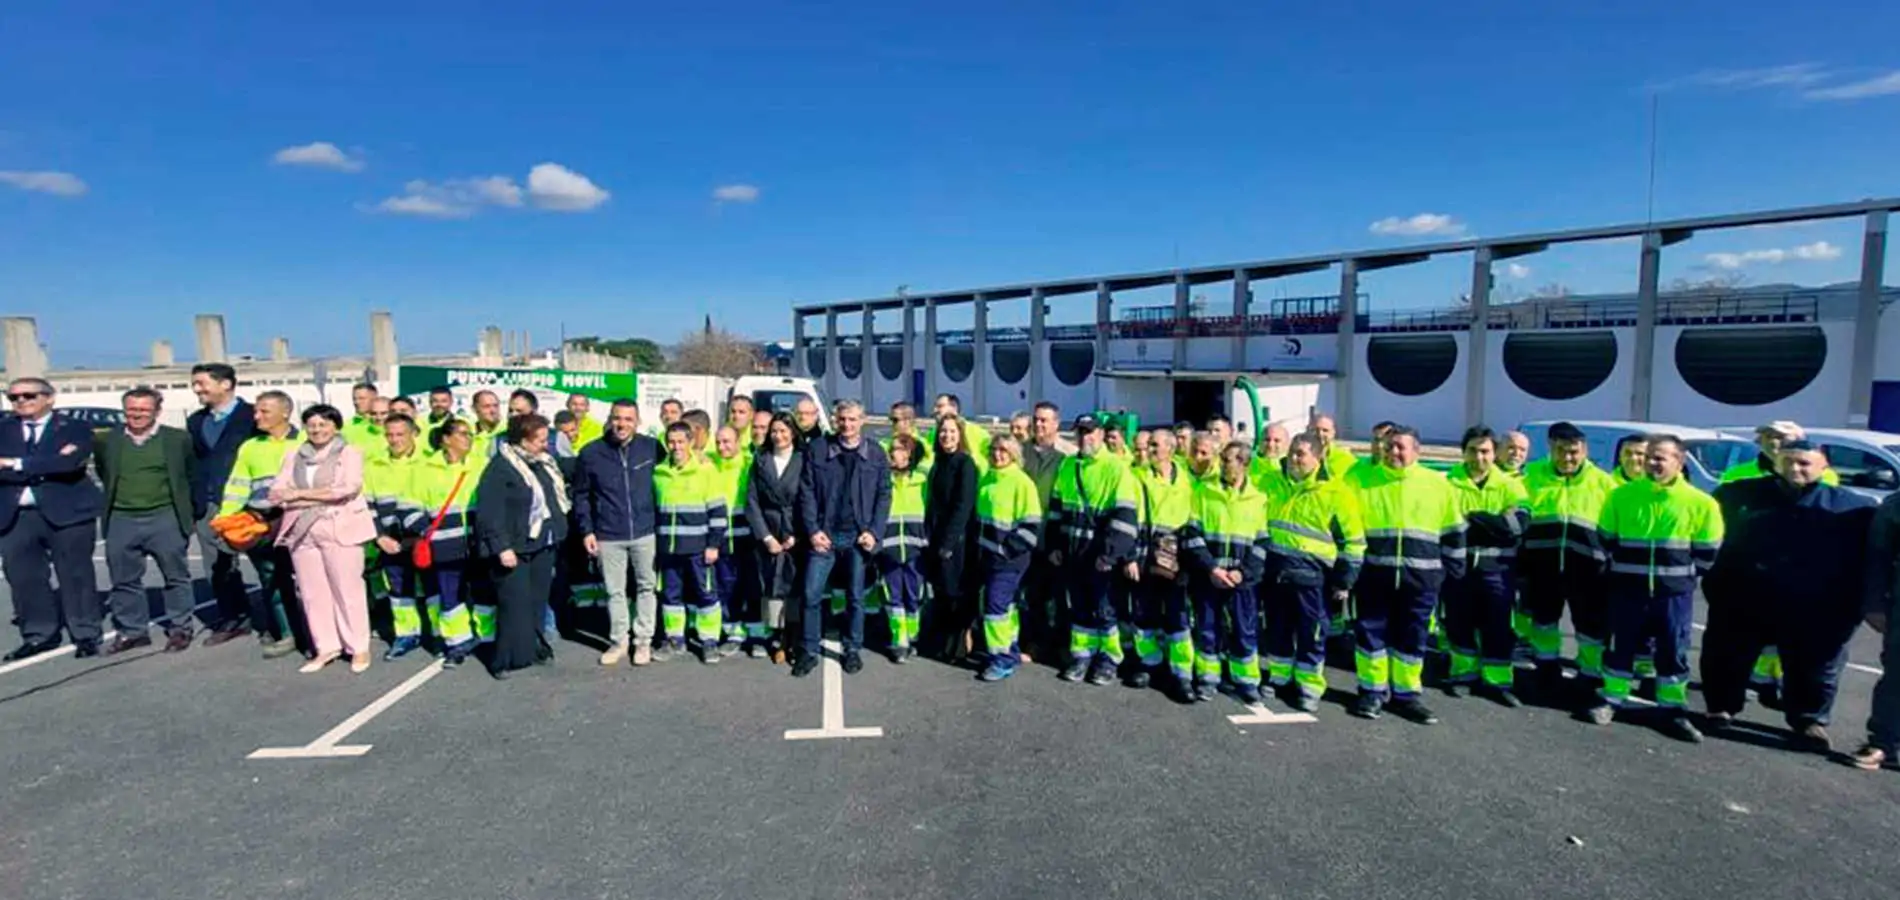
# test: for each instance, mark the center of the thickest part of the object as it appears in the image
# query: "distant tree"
(1708, 284)
(1553, 291)
(642, 354)
(716, 351)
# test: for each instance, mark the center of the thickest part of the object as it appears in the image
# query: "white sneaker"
(643, 654)
(614, 655)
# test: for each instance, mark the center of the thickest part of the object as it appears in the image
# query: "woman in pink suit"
(326, 523)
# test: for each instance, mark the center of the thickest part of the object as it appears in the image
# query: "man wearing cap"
(1091, 528)
(1790, 570)
(1766, 679)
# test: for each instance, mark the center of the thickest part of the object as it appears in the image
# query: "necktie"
(32, 435)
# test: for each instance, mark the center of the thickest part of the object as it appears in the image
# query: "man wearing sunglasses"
(49, 512)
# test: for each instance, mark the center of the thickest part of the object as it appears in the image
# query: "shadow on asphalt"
(87, 672)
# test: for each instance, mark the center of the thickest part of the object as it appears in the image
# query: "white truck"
(552, 387)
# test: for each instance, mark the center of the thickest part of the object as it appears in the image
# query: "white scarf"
(539, 509)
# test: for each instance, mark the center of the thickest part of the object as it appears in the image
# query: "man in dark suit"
(217, 431)
(49, 511)
(146, 469)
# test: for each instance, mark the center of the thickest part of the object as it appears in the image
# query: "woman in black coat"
(950, 518)
(771, 508)
(519, 528)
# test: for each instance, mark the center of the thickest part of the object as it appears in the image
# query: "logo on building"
(1291, 347)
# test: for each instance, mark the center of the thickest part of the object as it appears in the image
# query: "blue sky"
(866, 145)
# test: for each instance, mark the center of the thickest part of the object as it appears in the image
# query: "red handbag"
(423, 554)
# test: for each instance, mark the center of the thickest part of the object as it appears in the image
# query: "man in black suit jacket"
(49, 512)
(146, 470)
(222, 425)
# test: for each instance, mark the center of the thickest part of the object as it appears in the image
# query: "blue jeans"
(857, 569)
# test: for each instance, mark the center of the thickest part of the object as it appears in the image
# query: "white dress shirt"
(35, 432)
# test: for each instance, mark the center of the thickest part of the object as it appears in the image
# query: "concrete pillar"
(490, 348)
(25, 357)
(867, 352)
(162, 356)
(210, 329)
(1648, 278)
(1243, 306)
(1348, 353)
(800, 366)
(909, 364)
(280, 349)
(1478, 344)
(933, 355)
(383, 355)
(980, 353)
(527, 345)
(1038, 349)
(1873, 268)
(1180, 320)
(1104, 321)
(831, 354)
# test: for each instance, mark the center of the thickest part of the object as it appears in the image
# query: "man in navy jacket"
(49, 513)
(217, 430)
(844, 502)
(1790, 573)
(616, 514)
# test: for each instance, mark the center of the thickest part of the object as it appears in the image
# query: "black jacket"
(827, 499)
(180, 465)
(62, 489)
(501, 517)
(613, 488)
(1806, 550)
(950, 520)
(216, 459)
(771, 500)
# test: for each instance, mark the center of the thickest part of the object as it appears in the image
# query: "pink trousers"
(330, 584)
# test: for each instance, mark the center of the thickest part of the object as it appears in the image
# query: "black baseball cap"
(1087, 422)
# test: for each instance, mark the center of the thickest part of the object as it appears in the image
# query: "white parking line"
(68, 649)
(1260, 715)
(834, 706)
(1855, 666)
(326, 746)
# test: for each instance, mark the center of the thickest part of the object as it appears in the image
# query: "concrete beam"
(1478, 344)
(1104, 317)
(280, 349)
(1348, 342)
(1873, 269)
(980, 351)
(211, 346)
(832, 375)
(1181, 288)
(490, 346)
(383, 353)
(25, 357)
(1243, 305)
(1038, 351)
(867, 360)
(162, 356)
(933, 355)
(800, 365)
(1648, 281)
(910, 354)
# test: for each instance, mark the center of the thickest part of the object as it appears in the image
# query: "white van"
(1867, 461)
(1709, 452)
(779, 393)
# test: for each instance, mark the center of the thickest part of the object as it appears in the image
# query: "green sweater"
(144, 485)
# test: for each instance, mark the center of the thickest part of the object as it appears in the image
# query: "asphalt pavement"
(130, 777)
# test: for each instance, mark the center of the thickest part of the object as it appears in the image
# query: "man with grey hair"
(1514, 453)
(49, 512)
(844, 503)
(146, 470)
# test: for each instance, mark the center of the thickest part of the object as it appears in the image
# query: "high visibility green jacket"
(587, 431)
(394, 488)
(425, 442)
(976, 442)
(1266, 474)
(364, 434)
(1166, 505)
(1227, 529)
(484, 441)
(439, 493)
(1760, 467)
(1497, 512)
(1339, 463)
(733, 475)
(259, 459)
(1661, 536)
(1093, 510)
(1562, 537)
(1318, 536)
(692, 506)
(904, 534)
(922, 462)
(1415, 533)
(1008, 513)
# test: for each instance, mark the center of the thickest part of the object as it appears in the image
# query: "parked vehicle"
(1867, 461)
(1709, 452)
(552, 386)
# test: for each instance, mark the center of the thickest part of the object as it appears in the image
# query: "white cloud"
(1878, 86)
(1819, 251)
(555, 187)
(1518, 271)
(1795, 75)
(318, 155)
(736, 193)
(59, 184)
(457, 198)
(1419, 225)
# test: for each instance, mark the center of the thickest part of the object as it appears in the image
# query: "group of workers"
(1190, 559)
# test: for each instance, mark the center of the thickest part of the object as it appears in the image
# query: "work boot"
(643, 654)
(1550, 681)
(1202, 693)
(1718, 722)
(899, 655)
(1305, 704)
(1075, 671)
(1868, 758)
(278, 649)
(1368, 706)
(403, 646)
(1102, 672)
(1812, 739)
(807, 663)
(1179, 691)
(1248, 694)
(1137, 678)
(853, 662)
(1414, 711)
(613, 655)
(709, 653)
(454, 659)
(1679, 727)
(757, 650)
(996, 671)
(669, 650)
(1600, 714)
(1456, 689)
(1502, 696)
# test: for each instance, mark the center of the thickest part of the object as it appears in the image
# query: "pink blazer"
(343, 504)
